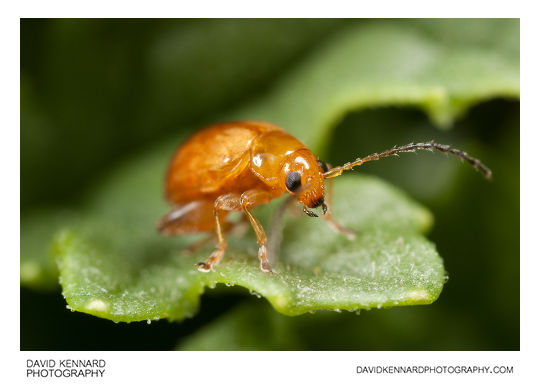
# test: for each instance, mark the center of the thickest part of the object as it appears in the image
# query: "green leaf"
(114, 265)
(120, 269)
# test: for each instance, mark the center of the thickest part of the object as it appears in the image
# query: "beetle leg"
(193, 217)
(276, 230)
(251, 199)
(336, 227)
(238, 228)
(228, 202)
(198, 244)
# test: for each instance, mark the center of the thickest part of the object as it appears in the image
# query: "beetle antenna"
(430, 146)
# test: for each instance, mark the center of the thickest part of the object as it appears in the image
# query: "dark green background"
(95, 93)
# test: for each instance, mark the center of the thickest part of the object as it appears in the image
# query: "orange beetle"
(237, 166)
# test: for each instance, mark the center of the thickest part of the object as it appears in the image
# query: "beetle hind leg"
(238, 228)
(193, 217)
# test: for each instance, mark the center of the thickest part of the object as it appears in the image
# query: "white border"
(268, 9)
(269, 366)
(272, 367)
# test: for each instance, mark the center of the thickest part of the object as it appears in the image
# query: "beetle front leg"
(336, 227)
(251, 199)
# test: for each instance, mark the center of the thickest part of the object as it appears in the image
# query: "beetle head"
(303, 176)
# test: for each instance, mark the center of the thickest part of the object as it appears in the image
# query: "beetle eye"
(293, 181)
(323, 166)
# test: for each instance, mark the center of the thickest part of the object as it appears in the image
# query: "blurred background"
(97, 93)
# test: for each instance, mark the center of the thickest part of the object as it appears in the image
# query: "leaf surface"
(119, 268)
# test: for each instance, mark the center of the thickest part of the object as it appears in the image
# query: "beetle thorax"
(269, 152)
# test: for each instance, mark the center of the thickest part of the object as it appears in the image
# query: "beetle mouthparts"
(318, 202)
(309, 213)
